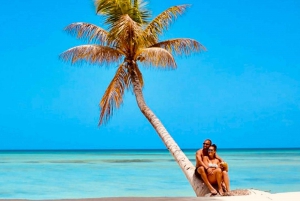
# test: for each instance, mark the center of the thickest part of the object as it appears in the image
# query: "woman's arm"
(218, 157)
(208, 169)
(218, 162)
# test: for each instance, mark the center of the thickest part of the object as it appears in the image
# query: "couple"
(211, 168)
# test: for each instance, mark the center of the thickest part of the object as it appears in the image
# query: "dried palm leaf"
(88, 31)
(113, 96)
(181, 46)
(93, 54)
(155, 56)
(125, 34)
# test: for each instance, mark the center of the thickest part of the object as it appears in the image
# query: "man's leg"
(202, 172)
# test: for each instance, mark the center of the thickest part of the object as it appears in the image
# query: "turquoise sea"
(115, 173)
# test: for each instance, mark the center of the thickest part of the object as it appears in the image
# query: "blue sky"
(243, 92)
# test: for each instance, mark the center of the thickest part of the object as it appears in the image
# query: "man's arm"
(205, 161)
(207, 168)
(199, 156)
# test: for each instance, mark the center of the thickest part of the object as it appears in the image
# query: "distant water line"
(58, 174)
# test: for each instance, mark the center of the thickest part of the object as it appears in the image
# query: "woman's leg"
(205, 179)
(226, 180)
(219, 178)
(212, 177)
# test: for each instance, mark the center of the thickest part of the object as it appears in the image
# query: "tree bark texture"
(185, 164)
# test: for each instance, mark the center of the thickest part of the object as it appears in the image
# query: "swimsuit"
(212, 165)
(197, 173)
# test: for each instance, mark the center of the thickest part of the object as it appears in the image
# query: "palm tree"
(133, 39)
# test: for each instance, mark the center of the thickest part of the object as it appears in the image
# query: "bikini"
(212, 165)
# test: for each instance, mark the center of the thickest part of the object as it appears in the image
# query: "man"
(202, 170)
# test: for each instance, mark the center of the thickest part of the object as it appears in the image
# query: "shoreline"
(254, 195)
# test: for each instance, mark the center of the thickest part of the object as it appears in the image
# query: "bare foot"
(213, 192)
(224, 187)
(221, 192)
(228, 193)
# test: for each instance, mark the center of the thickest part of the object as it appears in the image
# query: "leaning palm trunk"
(185, 164)
(132, 38)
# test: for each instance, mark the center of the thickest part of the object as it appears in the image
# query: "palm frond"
(139, 75)
(181, 46)
(139, 13)
(88, 31)
(163, 21)
(92, 54)
(125, 34)
(156, 56)
(113, 96)
(112, 10)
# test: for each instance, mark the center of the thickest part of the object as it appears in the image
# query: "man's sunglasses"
(205, 143)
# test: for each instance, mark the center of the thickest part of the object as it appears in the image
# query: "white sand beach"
(255, 195)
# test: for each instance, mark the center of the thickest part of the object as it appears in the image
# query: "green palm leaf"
(112, 10)
(162, 22)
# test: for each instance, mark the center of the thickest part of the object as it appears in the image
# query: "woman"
(215, 173)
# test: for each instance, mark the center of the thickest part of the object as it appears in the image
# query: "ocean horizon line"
(139, 149)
